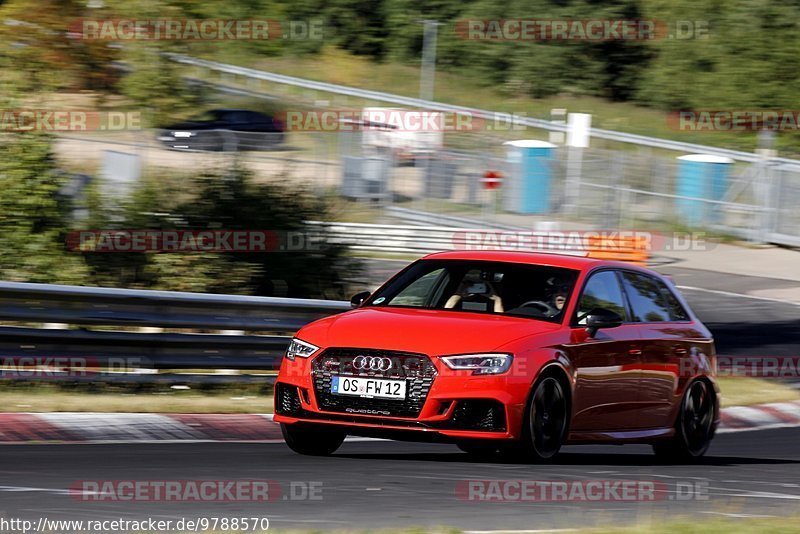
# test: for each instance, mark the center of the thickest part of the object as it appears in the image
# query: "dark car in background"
(229, 130)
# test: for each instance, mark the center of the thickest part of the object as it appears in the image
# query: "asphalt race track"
(390, 484)
(742, 326)
(371, 484)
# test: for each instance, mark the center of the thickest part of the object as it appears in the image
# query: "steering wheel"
(547, 308)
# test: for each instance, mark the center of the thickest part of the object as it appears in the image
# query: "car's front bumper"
(397, 430)
(458, 406)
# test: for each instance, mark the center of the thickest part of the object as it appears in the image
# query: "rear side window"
(647, 299)
(601, 291)
(676, 310)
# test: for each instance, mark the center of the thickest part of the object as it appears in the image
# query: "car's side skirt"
(647, 435)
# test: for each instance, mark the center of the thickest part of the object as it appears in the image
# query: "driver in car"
(559, 299)
(557, 294)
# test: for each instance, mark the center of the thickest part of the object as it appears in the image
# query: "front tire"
(546, 421)
(694, 427)
(312, 441)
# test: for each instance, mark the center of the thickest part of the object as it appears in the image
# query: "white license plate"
(368, 387)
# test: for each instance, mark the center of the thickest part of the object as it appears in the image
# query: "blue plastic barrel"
(706, 177)
(529, 184)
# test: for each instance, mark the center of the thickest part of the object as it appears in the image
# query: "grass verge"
(46, 399)
(746, 391)
(723, 525)
(336, 66)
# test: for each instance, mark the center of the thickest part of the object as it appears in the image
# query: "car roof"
(223, 111)
(550, 259)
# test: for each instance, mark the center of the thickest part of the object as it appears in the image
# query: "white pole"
(428, 67)
(577, 139)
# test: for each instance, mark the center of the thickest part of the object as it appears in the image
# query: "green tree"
(33, 215)
(39, 52)
(609, 68)
(747, 58)
(156, 84)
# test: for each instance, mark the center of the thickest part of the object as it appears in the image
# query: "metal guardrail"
(426, 218)
(392, 239)
(144, 350)
(609, 135)
(128, 346)
(104, 306)
(421, 240)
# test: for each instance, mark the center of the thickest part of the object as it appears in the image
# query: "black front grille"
(416, 369)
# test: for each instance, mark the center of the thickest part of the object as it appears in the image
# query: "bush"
(219, 200)
(33, 214)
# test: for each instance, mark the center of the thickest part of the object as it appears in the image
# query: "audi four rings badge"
(372, 363)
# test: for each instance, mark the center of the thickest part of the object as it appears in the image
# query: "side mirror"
(359, 298)
(601, 318)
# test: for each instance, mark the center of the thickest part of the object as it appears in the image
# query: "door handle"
(680, 351)
(635, 351)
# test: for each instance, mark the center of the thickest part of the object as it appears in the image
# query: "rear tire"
(312, 441)
(694, 427)
(546, 420)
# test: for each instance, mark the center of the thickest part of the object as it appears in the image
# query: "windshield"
(517, 289)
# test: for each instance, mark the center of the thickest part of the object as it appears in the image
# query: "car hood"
(432, 332)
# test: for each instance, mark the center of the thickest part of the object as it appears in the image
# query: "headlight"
(300, 349)
(480, 364)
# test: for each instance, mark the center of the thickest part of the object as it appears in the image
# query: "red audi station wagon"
(506, 352)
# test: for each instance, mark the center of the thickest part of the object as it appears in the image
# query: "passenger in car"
(475, 296)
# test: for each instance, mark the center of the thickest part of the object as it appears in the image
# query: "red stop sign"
(492, 180)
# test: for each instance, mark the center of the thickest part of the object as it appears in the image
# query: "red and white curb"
(79, 427)
(84, 427)
(761, 417)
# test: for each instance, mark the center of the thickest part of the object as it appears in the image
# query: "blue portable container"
(529, 184)
(701, 176)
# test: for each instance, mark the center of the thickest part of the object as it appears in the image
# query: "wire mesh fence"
(600, 187)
